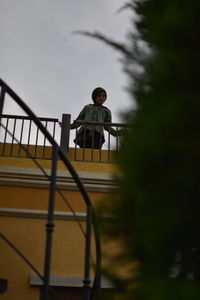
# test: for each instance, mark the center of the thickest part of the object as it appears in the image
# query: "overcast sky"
(53, 70)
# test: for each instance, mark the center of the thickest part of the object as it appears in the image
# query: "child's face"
(100, 98)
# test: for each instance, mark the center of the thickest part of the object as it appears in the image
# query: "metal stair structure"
(91, 291)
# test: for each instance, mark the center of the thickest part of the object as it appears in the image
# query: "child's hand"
(120, 132)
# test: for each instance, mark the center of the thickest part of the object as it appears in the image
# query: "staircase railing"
(90, 216)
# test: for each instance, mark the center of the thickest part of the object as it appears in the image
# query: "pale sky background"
(55, 71)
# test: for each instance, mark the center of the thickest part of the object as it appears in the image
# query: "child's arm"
(80, 117)
(110, 129)
(108, 119)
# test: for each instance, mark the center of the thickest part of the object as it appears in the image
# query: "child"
(91, 135)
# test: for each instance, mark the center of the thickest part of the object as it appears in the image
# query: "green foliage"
(159, 203)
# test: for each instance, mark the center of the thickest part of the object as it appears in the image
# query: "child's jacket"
(95, 113)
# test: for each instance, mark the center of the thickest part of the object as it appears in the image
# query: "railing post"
(65, 133)
(86, 280)
(50, 225)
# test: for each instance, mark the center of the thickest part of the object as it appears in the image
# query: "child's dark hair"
(98, 91)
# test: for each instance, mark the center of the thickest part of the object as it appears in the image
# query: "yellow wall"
(78, 157)
(28, 234)
(37, 198)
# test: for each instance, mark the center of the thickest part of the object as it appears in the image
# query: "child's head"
(99, 95)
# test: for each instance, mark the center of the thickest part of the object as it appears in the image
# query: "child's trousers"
(89, 139)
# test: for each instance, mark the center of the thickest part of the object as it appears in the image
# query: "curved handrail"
(50, 138)
(63, 157)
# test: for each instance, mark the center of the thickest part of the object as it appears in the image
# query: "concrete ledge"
(32, 177)
(67, 281)
(41, 214)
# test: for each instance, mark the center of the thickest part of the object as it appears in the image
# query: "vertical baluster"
(76, 145)
(44, 145)
(21, 136)
(29, 134)
(36, 142)
(117, 140)
(92, 151)
(108, 147)
(54, 129)
(5, 136)
(100, 141)
(13, 136)
(84, 140)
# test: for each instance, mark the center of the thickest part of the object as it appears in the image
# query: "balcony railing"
(19, 137)
(113, 135)
(19, 133)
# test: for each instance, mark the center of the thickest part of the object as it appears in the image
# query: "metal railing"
(90, 215)
(23, 130)
(106, 146)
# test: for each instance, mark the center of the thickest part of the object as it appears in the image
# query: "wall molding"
(33, 177)
(66, 281)
(41, 214)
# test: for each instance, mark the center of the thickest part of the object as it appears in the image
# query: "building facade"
(24, 201)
